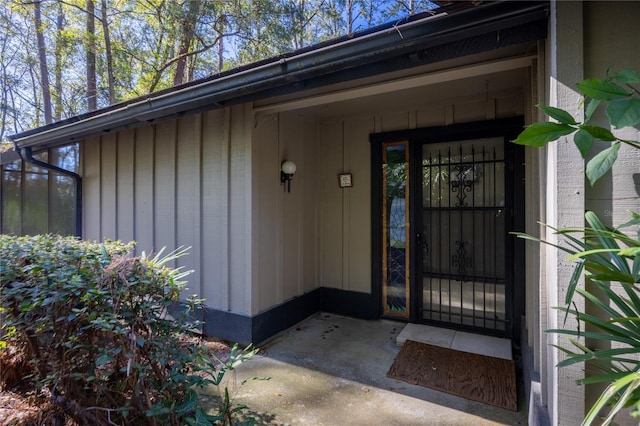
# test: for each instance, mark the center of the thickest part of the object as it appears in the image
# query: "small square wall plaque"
(345, 181)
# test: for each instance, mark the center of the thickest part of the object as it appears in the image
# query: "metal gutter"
(27, 156)
(286, 70)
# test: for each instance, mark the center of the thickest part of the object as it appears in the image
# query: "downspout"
(27, 156)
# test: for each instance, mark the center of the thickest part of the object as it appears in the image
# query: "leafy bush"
(622, 109)
(604, 256)
(94, 323)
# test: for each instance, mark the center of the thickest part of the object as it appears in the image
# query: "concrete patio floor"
(331, 370)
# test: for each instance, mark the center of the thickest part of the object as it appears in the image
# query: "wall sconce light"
(287, 170)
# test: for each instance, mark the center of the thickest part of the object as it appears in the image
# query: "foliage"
(623, 109)
(94, 323)
(144, 46)
(604, 256)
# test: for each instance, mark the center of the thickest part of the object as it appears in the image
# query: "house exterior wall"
(180, 182)
(210, 181)
(319, 235)
(585, 39)
(608, 45)
(345, 236)
(611, 43)
(285, 241)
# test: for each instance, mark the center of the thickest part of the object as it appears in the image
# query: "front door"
(449, 198)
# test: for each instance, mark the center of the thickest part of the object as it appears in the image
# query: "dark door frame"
(506, 127)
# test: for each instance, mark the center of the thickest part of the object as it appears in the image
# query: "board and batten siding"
(182, 182)
(345, 213)
(210, 181)
(286, 224)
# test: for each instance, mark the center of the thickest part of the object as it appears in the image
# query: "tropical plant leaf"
(629, 251)
(635, 220)
(599, 165)
(591, 252)
(624, 112)
(635, 270)
(591, 108)
(538, 240)
(558, 114)
(628, 384)
(591, 335)
(607, 355)
(584, 141)
(605, 90)
(628, 76)
(607, 237)
(599, 133)
(573, 284)
(540, 134)
(606, 308)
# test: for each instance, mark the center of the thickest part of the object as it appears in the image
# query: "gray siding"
(181, 182)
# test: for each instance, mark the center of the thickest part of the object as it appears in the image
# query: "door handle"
(420, 243)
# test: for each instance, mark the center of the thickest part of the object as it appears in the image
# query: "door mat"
(477, 377)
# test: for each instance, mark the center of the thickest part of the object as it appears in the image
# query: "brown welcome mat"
(472, 376)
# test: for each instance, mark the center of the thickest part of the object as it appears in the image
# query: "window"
(35, 200)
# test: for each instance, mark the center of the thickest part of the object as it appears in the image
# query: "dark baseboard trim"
(227, 325)
(281, 317)
(349, 303)
(245, 329)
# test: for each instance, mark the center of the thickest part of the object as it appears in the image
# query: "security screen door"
(463, 235)
(450, 197)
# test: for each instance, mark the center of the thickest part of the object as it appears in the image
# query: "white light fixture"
(287, 169)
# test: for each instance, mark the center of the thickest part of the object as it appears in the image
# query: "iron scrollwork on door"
(461, 259)
(464, 177)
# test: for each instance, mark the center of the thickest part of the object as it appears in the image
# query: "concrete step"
(458, 340)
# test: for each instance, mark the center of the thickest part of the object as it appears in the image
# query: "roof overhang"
(419, 40)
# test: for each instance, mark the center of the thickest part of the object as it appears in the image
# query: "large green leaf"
(623, 113)
(604, 90)
(559, 114)
(602, 162)
(599, 133)
(628, 76)
(584, 142)
(540, 134)
(591, 108)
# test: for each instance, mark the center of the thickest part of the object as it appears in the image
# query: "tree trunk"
(42, 57)
(188, 30)
(57, 84)
(107, 47)
(92, 93)
(222, 25)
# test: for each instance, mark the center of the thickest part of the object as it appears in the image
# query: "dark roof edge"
(345, 53)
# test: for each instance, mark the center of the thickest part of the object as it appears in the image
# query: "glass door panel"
(395, 229)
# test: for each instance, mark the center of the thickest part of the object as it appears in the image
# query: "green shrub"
(603, 256)
(93, 321)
